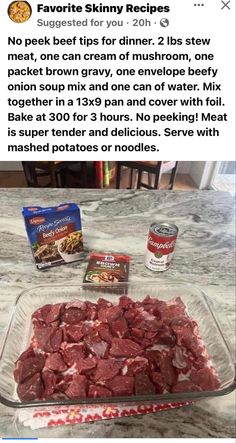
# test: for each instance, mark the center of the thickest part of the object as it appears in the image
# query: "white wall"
(10, 166)
(202, 173)
(196, 172)
(184, 167)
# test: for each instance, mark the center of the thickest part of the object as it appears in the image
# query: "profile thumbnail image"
(19, 12)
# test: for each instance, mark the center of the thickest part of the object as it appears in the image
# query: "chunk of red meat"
(99, 392)
(185, 322)
(88, 328)
(138, 333)
(167, 370)
(86, 364)
(27, 367)
(107, 369)
(180, 332)
(90, 374)
(124, 347)
(150, 335)
(143, 385)
(120, 328)
(49, 381)
(63, 383)
(149, 300)
(146, 321)
(26, 354)
(108, 315)
(92, 312)
(180, 359)
(131, 314)
(73, 316)
(73, 353)
(159, 382)
(103, 303)
(58, 396)
(199, 362)
(153, 309)
(90, 304)
(176, 304)
(194, 346)
(31, 389)
(96, 345)
(55, 323)
(171, 309)
(179, 302)
(125, 302)
(205, 378)
(48, 339)
(165, 336)
(77, 304)
(78, 387)
(158, 307)
(186, 338)
(154, 358)
(55, 362)
(139, 305)
(149, 303)
(185, 386)
(56, 339)
(38, 325)
(54, 313)
(73, 333)
(102, 314)
(143, 342)
(121, 385)
(168, 314)
(135, 365)
(104, 333)
(40, 315)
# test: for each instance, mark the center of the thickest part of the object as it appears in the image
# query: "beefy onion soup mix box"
(108, 267)
(54, 233)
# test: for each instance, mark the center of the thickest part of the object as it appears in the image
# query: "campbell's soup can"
(160, 246)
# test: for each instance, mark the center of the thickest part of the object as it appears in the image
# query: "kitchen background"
(118, 220)
(183, 175)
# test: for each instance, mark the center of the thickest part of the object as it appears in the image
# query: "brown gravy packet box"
(108, 267)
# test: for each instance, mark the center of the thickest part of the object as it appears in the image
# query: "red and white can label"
(160, 250)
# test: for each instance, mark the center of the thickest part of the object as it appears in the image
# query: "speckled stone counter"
(118, 221)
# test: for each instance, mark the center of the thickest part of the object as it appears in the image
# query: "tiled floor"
(16, 179)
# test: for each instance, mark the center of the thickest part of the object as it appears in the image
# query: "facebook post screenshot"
(117, 225)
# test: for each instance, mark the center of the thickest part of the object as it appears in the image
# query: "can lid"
(164, 229)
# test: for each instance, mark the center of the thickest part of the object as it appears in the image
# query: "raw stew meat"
(82, 349)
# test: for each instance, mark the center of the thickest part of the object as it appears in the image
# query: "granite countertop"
(119, 221)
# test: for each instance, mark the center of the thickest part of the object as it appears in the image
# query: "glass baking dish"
(199, 307)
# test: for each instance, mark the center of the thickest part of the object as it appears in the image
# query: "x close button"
(225, 4)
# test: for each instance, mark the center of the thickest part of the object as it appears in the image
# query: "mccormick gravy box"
(108, 267)
(55, 234)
